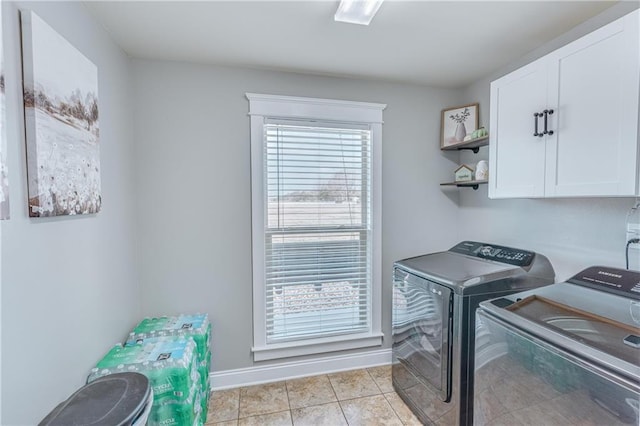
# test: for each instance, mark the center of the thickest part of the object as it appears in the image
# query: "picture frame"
(4, 173)
(457, 122)
(62, 123)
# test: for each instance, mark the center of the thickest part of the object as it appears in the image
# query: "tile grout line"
(210, 420)
(270, 411)
(239, 402)
(344, 416)
(394, 410)
(373, 379)
(286, 389)
(384, 396)
(322, 404)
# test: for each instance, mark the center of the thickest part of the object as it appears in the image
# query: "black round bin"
(117, 399)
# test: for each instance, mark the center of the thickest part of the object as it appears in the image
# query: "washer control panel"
(509, 255)
(611, 280)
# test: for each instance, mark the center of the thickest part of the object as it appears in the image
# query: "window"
(317, 251)
(316, 237)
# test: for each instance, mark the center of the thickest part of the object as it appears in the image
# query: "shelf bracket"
(475, 186)
(475, 150)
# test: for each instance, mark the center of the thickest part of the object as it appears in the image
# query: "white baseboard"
(291, 370)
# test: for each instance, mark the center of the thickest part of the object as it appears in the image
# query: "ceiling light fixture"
(359, 12)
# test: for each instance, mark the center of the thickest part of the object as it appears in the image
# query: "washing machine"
(566, 354)
(434, 301)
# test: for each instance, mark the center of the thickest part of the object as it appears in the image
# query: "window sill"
(316, 346)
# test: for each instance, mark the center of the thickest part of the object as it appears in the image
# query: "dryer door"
(422, 330)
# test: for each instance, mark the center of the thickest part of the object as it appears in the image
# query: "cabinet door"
(516, 156)
(594, 86)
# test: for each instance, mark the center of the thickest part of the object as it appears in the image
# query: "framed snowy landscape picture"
(4, 175)
(61, 119)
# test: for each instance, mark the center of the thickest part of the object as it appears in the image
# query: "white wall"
(573, 233)
(69, 287)
(193, 181)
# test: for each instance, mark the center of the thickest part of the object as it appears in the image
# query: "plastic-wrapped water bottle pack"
(174, 353)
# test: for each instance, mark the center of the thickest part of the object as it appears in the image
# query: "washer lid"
(599, 332)
(111, 400)
(458, 270)
(585, 321)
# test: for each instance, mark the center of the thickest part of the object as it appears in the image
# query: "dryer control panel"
(509, 255)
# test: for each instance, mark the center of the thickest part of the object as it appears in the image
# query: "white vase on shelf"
(482, 170)
(461, 132)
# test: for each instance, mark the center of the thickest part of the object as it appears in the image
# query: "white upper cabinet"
(516, 156)
(584, 139)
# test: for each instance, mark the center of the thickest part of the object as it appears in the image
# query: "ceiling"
(436, 43)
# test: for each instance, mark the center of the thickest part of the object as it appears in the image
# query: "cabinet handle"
(535, 122)
(547, 112)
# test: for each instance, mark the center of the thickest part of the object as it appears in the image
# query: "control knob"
(486, 250)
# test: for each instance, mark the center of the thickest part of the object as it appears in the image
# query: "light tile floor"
(359, 397)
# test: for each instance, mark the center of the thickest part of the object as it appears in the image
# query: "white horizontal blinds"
(317, 233)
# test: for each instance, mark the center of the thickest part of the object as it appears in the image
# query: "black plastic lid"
(116, 399)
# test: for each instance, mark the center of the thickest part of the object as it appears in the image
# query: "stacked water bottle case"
(174, 354)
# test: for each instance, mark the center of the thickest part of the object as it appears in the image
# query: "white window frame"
(262, 107)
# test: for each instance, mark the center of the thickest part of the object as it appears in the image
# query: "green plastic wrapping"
(196, 326)
(170, 365)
